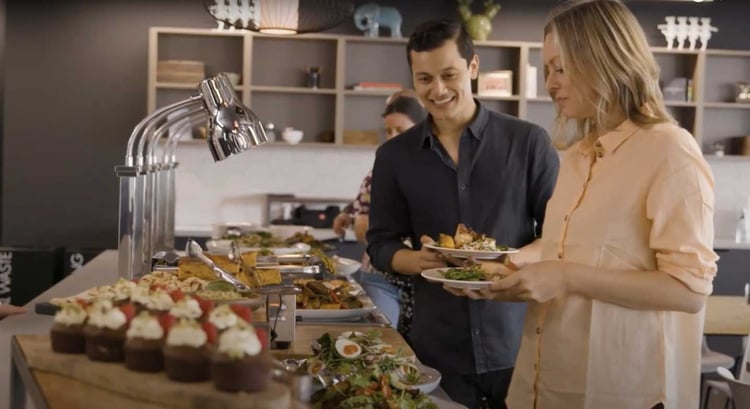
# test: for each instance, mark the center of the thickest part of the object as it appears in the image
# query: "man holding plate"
(463, 164)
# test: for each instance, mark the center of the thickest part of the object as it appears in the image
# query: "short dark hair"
(433, 34)
(408, 106)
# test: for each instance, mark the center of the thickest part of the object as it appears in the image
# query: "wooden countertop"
(727, 315)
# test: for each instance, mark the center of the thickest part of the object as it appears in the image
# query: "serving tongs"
(193, 249)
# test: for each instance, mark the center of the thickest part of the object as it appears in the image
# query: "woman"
(392, 293)
(617, 283)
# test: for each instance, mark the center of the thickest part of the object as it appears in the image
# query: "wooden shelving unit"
(273, 82)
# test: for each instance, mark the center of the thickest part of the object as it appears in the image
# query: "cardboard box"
(359, 137)
(180, 71)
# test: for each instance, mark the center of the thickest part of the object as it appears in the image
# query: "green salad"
(473, 273)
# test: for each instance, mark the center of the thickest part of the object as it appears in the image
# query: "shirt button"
(600, 154)
(476, 332)
(565, 219)
(559, 255)
(538, 330)
(462, 187)
(598, 144)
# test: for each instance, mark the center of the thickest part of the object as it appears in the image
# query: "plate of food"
(331, 300)
(468, 243)
(224, 246)
(461, 277)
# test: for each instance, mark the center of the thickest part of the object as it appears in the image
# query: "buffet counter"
(43, 388)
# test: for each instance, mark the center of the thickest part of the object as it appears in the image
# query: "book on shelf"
(371, 85)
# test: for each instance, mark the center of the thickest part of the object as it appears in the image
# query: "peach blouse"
(635, 199)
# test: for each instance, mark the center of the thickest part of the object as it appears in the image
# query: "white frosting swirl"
(71, 314)
(140, 294)
(123, 289)
(103, 315)
(239, 341)
(145, 326)
(159, 300)
(187, 333)
(222, 317)
(187, 307)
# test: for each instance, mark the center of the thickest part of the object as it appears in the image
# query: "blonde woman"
(617, 283)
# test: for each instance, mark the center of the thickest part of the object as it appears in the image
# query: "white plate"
(429, 380)
(477, 254)
(435, 275)
(224, 246)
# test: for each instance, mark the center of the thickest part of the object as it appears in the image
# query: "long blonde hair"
(602, 45)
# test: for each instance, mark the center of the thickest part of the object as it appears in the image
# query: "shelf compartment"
(361, 63)
(729, 105)
(282, 61)
(313, 114)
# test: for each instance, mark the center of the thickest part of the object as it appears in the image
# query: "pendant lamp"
(282, 17)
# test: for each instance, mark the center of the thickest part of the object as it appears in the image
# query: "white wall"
(232, 190)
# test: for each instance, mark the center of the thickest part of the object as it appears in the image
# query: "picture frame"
(495, 83)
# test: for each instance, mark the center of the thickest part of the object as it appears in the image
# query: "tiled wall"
(233, 190)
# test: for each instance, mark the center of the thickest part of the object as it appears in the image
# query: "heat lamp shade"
(281, 16)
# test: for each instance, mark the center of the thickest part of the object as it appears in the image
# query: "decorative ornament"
(369, 17)
(478, 26)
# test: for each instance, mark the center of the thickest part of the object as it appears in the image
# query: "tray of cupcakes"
(188, 338)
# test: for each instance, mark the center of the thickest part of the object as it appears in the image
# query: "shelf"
(178, 85)
(498, 98)
(689, 104)
(726, 158)
(292, 90)
(732, 105)
(540, 99)
(371, 92)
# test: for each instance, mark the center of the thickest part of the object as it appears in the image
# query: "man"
(463, 164)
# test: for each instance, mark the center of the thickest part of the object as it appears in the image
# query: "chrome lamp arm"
(146, 209)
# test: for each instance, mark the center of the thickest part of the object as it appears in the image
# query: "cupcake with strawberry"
(189, 307)
(66, 334)
(228, 315)
(241, 361)
(105, 330)
(122, 290)
(143, 344)
(187, 351)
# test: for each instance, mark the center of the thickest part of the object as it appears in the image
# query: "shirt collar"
(608, 143)
(475, 127)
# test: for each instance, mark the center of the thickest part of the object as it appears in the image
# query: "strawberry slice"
(176, 295)
(263, 337)
(166, 321)
(211, 333)
(129, 311)
(206, 305)
(243, 312)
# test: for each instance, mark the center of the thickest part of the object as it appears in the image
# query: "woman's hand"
(341, 222)
(539, 282)
(7, 309)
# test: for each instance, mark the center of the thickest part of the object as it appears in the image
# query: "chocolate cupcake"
(122, 291)
(223, 317)
(187, 351)
(187, 307)
(105, 331)
(240, 362)
(143, 344)
(66, 334)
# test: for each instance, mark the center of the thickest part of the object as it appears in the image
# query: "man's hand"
(407, 261)
(341, 222)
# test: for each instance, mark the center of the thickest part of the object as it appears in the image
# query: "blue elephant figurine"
(368, 18)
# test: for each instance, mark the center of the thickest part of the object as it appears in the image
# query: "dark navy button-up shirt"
(506, 172)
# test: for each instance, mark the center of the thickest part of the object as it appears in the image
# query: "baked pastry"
(241, 362)
(144, 343)
(66, 335)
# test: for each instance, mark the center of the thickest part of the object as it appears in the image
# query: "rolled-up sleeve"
(680, 205)
(389, 215)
